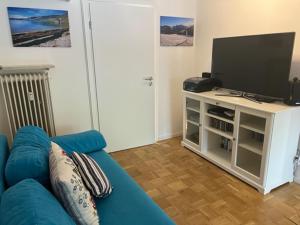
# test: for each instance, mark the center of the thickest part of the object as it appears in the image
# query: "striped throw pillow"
(93, 176)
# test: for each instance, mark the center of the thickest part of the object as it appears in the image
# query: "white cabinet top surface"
(265, 107)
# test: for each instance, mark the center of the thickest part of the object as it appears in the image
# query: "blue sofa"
(127, 205)
(3, 157)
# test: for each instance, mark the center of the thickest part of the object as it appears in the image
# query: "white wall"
(175, 64)
(221, 18)
(284, 16)
(69, 78)
(215, 18)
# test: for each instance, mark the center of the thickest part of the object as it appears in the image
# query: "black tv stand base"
(251, 97)
(266, 99)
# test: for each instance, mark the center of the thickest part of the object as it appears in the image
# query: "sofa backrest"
(4, 151)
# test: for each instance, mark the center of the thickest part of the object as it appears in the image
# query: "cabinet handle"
(233, 139)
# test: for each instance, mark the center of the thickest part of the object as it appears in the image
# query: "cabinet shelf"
(228, 135)
(193, 105)
(255, 147)
(193, 122)
(219, 155)
(253, 169)
(192, 132)
(256, 125)
(194, 109)
(193, 139)
(248, 161)
(220, 118)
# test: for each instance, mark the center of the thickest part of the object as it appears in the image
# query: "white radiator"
(27, 98)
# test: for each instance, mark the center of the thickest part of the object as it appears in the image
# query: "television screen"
(257, 64)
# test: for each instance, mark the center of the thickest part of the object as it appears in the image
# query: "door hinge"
(90, 24)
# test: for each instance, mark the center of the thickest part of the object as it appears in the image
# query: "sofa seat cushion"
(28, 203)
(128, 204)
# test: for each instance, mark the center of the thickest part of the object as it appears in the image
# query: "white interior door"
(123, 43)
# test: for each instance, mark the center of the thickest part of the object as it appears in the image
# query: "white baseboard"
(297, 175)
(297, 180)
(168, 136)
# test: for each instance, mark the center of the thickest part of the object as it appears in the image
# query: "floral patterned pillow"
(69, 188)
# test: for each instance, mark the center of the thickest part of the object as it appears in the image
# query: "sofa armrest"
(85, 142)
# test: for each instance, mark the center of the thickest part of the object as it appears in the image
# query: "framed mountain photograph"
(176, 31)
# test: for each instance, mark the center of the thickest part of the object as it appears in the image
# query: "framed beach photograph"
(176, 31)
(39, 27)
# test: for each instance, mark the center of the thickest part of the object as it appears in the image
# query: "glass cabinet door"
(192, 125)
(250, 146)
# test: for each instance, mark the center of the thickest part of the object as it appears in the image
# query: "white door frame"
(89, 54)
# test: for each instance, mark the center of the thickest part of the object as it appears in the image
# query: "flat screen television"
(258, 64)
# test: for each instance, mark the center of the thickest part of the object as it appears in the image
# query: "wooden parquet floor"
(193, 191)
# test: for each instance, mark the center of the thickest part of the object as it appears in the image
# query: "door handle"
(148, 78)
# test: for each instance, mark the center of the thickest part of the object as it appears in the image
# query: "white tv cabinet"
(261, 147)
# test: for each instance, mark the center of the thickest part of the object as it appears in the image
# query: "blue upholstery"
(27, 162)
(3, 157)
(128, 204)
(84, 142)
(29, 156)
(28, 203)
(32, 136)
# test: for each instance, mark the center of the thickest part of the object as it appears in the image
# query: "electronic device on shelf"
(261, 98)
(199, 84)
(240, 95)
(251, 97)
(230, 113)
(222, 112)
(294, 97)
(257, 64)
(206, 75)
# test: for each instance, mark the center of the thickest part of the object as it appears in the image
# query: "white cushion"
(69, 188)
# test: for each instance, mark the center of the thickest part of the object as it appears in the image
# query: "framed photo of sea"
(176, 31)
(32, 27)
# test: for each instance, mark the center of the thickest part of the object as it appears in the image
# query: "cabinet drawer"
(221, 104)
